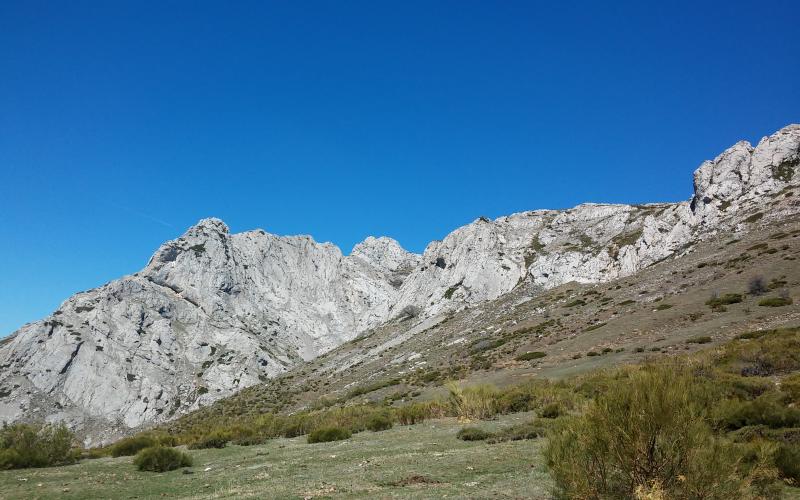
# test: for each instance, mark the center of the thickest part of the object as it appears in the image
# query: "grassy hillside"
(528, 334)
(706, 345)
(424, 460)
(736, 405)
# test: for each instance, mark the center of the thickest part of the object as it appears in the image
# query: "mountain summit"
(215, 312)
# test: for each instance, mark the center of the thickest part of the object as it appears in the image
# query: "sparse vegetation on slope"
(713, 424)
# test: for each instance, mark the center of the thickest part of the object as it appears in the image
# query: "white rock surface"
(215, 312)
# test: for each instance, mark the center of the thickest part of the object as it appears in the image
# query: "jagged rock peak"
(742, 173)
(209, 224)
(385, 253)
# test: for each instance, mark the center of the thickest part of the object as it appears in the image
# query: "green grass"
(775, 302)
(528, 356)
(719, 303)
(369, 465)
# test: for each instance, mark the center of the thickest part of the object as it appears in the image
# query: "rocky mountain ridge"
(214, 312)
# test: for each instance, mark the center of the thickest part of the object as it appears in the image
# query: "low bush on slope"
(24, 445)
(711, 425)
(327, 434)
(131, 445)
(468, 402)
(161, 459)
(724, 421)
(648, 434)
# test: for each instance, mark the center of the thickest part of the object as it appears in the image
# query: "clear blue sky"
(123, 123)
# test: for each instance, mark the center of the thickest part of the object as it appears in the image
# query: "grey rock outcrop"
(214, 312)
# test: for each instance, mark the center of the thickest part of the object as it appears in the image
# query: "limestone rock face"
(214, 312)
(742, 175)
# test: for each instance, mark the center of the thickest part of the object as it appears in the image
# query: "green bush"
(626, 444)
(161, 459)
(552, 410)
(473, 434)
(378, 423)
(25, 445)
(719, 303)
(477, 402)
(415, 413)
(215, 439)
(775, 302)
(250, 440)
(93, 453)
(294, 427)
(326, 434)
(704, 339)
(518, 432)
(528, 356)
(787, 459)
(768, 410)
(534, 394)
(131, 445)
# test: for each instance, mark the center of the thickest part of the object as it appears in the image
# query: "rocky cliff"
(214, 312)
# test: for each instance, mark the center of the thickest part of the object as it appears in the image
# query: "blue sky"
(123, 123)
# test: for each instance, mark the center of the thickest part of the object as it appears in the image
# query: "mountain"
(214, 312)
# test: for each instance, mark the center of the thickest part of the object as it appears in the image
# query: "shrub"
(131, 445)
(93, 453)
(378, 423)
(528, 356)
(592, 353)
(775, 302)
(161, 459)
(534, 394)
(473, 434)
(719, 303)
(409, 312)
(527, 430)
(768, 410)
(756, 286)
(474, 402)
(295, 426)
(374, 386)
(663, 307)
(24, 445)
(552, 410)
(250, 440)
(625, 443)
(704, 339)
(215, 439)
(791, 385)
(787, 460)
(327, 434)
(415, 413)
